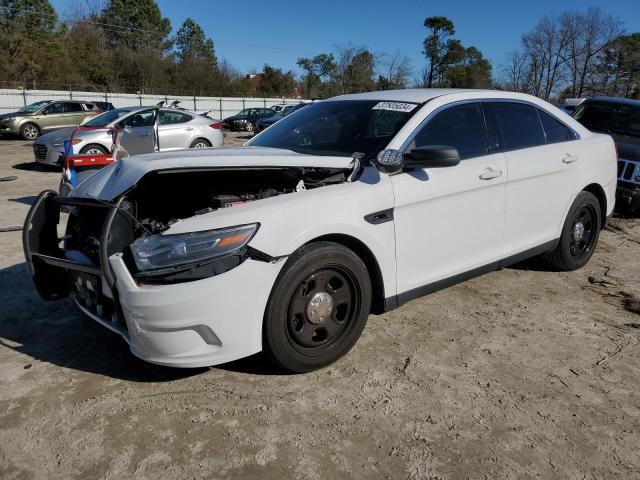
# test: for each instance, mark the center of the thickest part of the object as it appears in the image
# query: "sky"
(250, 33)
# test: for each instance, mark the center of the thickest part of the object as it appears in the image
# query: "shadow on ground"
(55, 332)
(35, 167)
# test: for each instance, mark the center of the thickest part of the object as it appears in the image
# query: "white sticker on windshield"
(395, 106)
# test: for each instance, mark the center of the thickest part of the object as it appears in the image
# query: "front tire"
(579, 234)
(318, 307)
(93, 149)
(29, 131)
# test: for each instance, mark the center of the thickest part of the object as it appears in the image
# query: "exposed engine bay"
(162, 198)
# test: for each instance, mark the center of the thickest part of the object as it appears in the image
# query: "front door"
(450, 220)
(138, 134)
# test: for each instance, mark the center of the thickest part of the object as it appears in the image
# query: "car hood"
(51, 137)
(119, 177)
(13, 114)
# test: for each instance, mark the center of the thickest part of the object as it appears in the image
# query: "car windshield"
(107, 118)
(34, 107)
(610, 117)
(243, 113)
(340, 128)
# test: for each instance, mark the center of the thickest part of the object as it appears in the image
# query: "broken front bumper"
(191, 324)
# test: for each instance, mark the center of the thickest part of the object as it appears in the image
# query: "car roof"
(417, 95)
(618, 100)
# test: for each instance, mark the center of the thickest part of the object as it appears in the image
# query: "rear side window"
(171, 118)
(72, 107)
(462, 127)
(519, 125)
(555, 130)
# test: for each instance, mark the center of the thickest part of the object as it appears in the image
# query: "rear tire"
(29, 131)
(318, 307)
(579, 235)
(200, 143)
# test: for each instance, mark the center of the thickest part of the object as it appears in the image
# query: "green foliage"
(191, 44)
(274, 82)
(619, 67)
(136, 24)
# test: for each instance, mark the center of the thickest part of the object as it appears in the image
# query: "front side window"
(54, 108)
(145, 118)
(172, 118)
(461, 126)
(107, 118)
(340, 127)
(519, 125)
(555, 130)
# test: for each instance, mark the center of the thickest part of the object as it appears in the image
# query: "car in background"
(278, 107)
(620, 118)
(39, 117)
(177, 129)
(569, 105)
(244, 120)
(265, 122)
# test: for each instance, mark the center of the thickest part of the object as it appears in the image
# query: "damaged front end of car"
(134, 228)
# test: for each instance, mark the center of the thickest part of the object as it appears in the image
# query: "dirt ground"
(522, 373)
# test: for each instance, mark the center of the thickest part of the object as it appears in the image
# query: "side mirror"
(432, 156)
(393, 161)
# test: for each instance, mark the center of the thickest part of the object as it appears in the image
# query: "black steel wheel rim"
(314, 336)
(583, 232)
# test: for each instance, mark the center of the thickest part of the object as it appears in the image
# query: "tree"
(319, 71)
(136, 24)
(29, 40)
(517, 72)
(473, 71)
(191, 44)
(395, 71)
(440, 50)
(593, 32)
(276, 83)
(618, 69)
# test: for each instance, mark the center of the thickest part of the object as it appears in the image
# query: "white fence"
(221, 107)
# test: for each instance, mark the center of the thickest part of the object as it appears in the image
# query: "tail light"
(216, 126)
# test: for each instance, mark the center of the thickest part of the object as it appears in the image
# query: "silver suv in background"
(46, 115)
(177, 129)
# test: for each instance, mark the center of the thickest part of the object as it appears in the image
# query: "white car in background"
(177, 129)
(352, 205)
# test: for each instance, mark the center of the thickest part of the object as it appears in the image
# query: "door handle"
(490, 173)
(568, 158)
(146, 134)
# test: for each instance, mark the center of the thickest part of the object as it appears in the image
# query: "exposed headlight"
(58, 142)
(9, 119)
(161, 251)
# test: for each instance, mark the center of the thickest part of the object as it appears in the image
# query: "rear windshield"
(339, 128)
(609, 117)
(107, 118)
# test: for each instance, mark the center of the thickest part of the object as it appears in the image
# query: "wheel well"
(370, 261)
(200, 138)
(94, 144)
(598, 192)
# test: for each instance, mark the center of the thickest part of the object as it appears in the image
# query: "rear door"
(450, 220)
(138, 134)
(175, 129)
(542, 165)
(73, 114)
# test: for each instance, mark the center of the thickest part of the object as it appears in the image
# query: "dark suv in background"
(620, 118)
